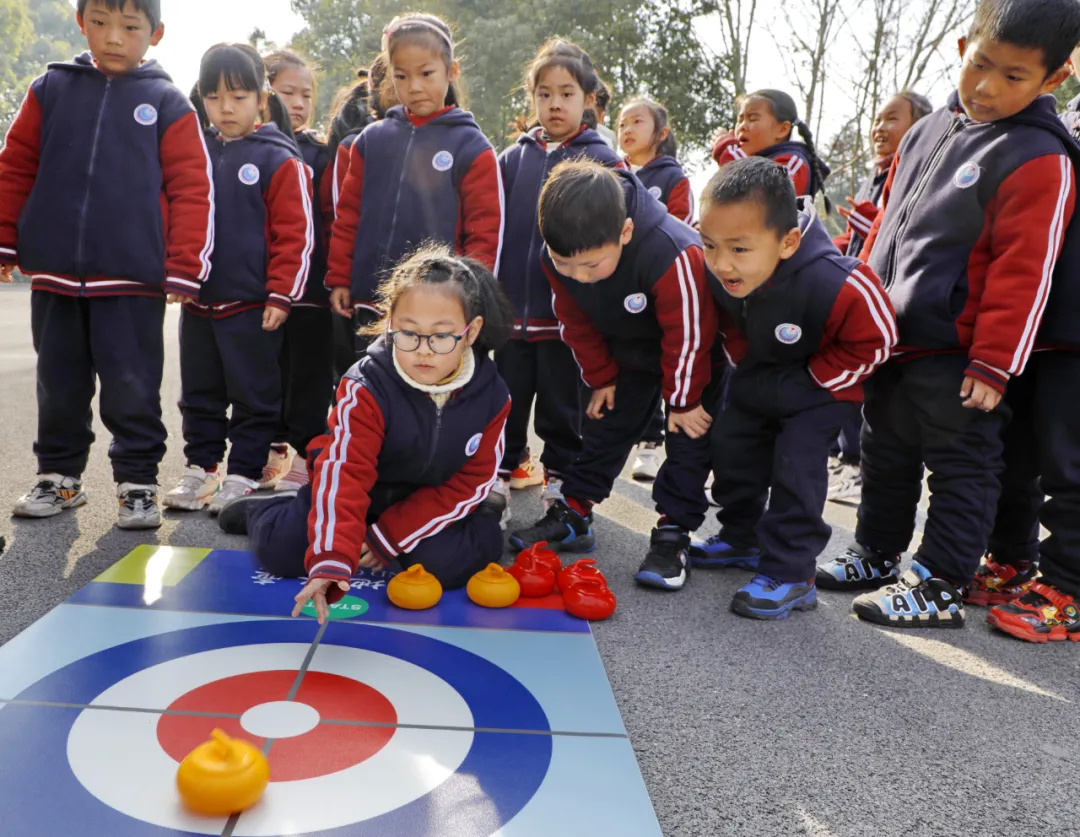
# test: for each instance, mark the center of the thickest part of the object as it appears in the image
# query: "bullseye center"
(280, 719)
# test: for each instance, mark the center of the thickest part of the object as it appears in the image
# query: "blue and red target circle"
(497, 701)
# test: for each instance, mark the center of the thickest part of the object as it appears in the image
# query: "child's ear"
(785, 130)
(1056, 79)
(627, 232)
(79, 20)
(157, 35)
(590, 102)
(455, 72)
(474, 330)
(790, 243)
(961, 44)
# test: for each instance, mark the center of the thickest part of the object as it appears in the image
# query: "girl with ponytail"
(766, 121)
(405, 472)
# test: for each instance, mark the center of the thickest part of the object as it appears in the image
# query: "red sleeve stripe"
(793, 166)
(691, 314)
(502, 215)
(323, 566)
(860, 223)
(562, 336)
(387, 547)
(7, 251)
(465, 507)
(878, 309)
(735, 150)
(1054, 239)
(689, 219)
(208, 248)
(325, 512)
(337, 178)
(309, 232)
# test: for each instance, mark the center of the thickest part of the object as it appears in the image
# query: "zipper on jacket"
(80, 249)
(397, 198)
(906, 210)
(434, 439)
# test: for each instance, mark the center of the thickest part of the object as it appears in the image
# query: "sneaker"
(708, 490)
(563, 528)
(297, 477)
(859, 568)
(916, 600)
(996, 583)
(195, 489)
(526, 475)
(667, 565)
(552, 491)
(765, 598)
(647, 462)
(502, 489)
(835, 469)
(233, 519)
(53, 494)
(138, 506)
(1042, 614)
(716, 553)
(848, 486)
(232, 487)
(278, 464)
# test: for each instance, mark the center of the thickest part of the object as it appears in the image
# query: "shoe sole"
(180, 505)
(643, 477)
(806, 602)
(703, 561)
(829, 582)
(133, 525)
(75, 502)
(872, 614)
(229, 517)
(658, 582)
(983, 599)
(1027, 633)
(583, 544)
(527, 482)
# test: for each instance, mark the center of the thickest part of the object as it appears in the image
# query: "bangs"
(232, 66)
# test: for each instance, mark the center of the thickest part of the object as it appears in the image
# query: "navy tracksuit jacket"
(666, 181)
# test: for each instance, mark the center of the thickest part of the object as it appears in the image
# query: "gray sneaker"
(139, 507)
(53, 494)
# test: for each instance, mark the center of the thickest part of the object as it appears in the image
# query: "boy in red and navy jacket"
(106, 202)
(975, 208)
(632, 303)
(803, 327)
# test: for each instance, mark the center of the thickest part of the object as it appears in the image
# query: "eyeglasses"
(440, 344)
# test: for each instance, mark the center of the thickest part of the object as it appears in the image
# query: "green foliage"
(1067, 92)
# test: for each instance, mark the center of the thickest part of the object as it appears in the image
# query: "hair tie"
(401, 22)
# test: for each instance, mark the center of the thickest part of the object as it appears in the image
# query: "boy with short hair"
(106, 202)
(632, 303)
(803, 327)
(975, 209)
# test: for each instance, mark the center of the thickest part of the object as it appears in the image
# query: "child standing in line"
(230, 340)
(633, 305)
(405, 474)
(650, 147)
(103, 151)
(764, 126)
(425, 173)
(307, 352)
(603, 101)
(802, 327)
(536, 363)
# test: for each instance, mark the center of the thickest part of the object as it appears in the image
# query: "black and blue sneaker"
(667, 566)
(917, 600)
(859, 568)
(765, 598)
(563, 528)
(717, 554)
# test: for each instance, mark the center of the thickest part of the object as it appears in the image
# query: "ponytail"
(278, 114)
(491, 304)
(819, 170)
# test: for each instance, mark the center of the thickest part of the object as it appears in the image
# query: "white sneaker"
(552, 492)
(277, 466)
(647, 463)
(195, 489)
(138, 506)
(708, 490)
(502, 487)
(297, 477)
(836, 470)
(848, 489)
(53, 494)
(234, 486)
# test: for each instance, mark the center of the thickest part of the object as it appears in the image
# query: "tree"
(736, 26)
(1067, 92)
(808, 48)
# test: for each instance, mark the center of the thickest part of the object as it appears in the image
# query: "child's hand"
(368, 559)
(978, 395)
(341, 302)
(316, 591)
(274, 318)
(694, 423)
(603, 398)
(5, 273)
(179, 298)
(845, 213)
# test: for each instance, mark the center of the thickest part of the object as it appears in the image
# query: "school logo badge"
(474, 444)
(788, 333)
(967, 175)
(443, 161)
(635, 303)
(146, 114)
(655, 191)
(249, 174)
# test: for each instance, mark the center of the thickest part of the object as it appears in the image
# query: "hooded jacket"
(653, 314)
(814, 332)
(666, 181)
(867, 205)
(525, 167)
(316, 155)
(264, 220)
(413, 180)
(105, 185)
(793, 156)
(974, 215)
(390, 446)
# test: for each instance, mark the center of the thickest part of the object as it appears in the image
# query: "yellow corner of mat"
(164, 565)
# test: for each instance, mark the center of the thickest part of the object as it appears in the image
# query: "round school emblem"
(474, 444)
(443, 161)
(635, 303)
(146, 114)
(249, 174)
(967, 175)
(655, 192)
(788, 333)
